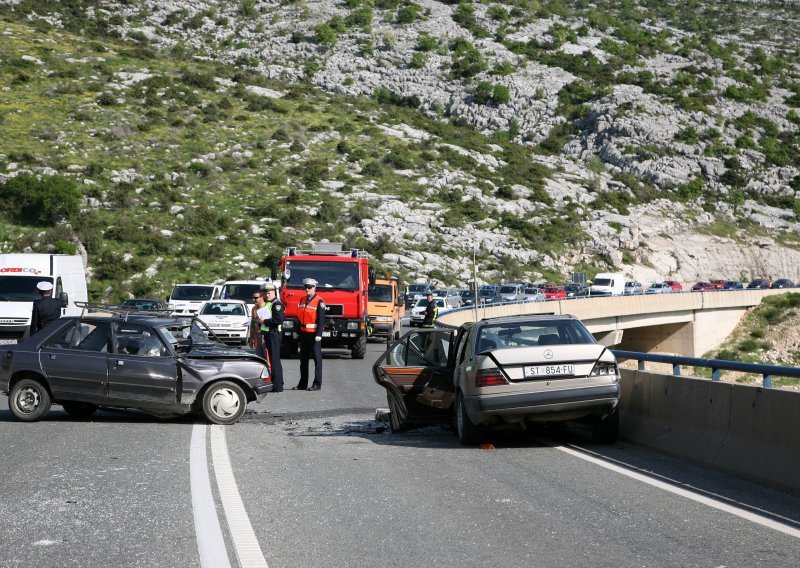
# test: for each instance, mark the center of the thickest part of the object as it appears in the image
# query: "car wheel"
(359, 349)
(29, 400)
(224, 403)
(396, 422)
(79, 409)
(605, 430)
(467, 432)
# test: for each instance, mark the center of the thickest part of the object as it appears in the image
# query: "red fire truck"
(343, 279)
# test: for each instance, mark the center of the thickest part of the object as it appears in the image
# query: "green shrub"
(41, 201)
(467, 61)
(426, 43)
(500, 95)
(418, 60)
(408, 13)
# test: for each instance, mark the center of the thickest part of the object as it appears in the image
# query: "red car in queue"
(554, 292)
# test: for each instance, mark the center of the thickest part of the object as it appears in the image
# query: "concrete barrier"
(747, 430)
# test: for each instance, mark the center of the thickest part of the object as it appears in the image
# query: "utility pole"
(475, 278)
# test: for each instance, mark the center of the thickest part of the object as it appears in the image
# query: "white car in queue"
(501, 373)
(228, 319)
(418, 311)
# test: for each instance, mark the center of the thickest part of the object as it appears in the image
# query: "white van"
(189, 299)
(243, 289)
(608, 283)
(19, 275)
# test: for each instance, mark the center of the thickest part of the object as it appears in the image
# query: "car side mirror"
(64, 299)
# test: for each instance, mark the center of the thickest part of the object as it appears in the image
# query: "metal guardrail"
(716, 365)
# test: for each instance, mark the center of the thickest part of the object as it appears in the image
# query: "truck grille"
(335, 310)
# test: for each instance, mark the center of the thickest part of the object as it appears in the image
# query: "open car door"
(416, 375)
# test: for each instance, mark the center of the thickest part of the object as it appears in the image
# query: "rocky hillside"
(195, 139)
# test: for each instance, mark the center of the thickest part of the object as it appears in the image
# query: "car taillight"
(490, 378)
(265, 375)
(602, 368)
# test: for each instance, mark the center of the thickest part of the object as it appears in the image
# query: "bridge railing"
(716, 365)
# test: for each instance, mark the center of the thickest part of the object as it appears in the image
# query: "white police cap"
(45, 286)
(309, 282)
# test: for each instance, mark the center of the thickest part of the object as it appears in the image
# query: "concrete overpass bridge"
(688, 323)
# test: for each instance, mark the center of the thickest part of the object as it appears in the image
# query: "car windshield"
(380, 293)
(508, 289)
(21, 288)
(192, 292)
(423, 302)
(486, 293)
(243, 292)
(417, 288)
(533, 333)
(191, 333)
(341, 275)
(603, 282)
(141, 304)
(223, 309)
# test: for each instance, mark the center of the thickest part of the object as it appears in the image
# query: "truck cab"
(343, 278)
(19, 275)
(385, 307)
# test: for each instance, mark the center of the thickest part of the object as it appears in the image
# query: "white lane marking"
(747, 515)
(210, 543)
(244, 538)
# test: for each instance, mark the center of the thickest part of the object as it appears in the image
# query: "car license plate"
(549, 371)
(326, 334)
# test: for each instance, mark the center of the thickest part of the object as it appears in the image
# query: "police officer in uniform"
(311, 313)
(46, 309)
(431, 312)
(271, 335)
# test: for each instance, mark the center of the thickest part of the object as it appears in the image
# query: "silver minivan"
(511, 292)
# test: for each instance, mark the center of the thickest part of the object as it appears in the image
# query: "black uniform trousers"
(272, 342)
(310, 347)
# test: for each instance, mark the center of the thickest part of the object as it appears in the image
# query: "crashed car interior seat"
(97, 340)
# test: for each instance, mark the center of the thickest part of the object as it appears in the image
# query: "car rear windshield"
(341, 275)
(528, 334)
(508, 289)
(192, 292)
(417, 288)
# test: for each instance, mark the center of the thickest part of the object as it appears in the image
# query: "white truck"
(19, 275)
(608, 284)
(189, 299)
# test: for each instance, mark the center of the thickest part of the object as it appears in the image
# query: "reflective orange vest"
(307, 314)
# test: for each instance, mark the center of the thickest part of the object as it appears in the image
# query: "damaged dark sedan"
(161, 365)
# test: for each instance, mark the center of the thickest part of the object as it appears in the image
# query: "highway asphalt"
(322, 483)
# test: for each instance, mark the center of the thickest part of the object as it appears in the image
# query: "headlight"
(602, 368)
(352, 325)
(288, 324)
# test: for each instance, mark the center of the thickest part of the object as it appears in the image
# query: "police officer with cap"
(46, 309)
(311, 313)
(271, 334)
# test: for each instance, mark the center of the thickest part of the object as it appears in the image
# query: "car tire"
(396, 422)
(605, 430)
(467, 432)
(79, 409)
(359, 348)
(224, 403)
(29, 400)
